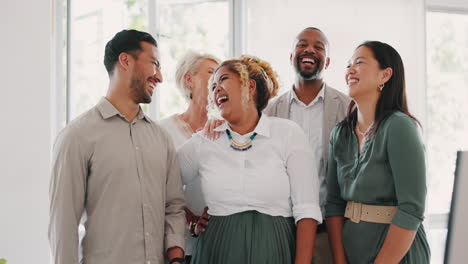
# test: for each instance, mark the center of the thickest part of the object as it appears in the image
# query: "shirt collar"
(108, 110)
(320, 96)
(262, 128)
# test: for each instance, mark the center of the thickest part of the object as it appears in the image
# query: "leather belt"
(381, 214)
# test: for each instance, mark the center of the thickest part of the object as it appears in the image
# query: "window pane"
(196, 25)
(93, 23)
(447, 130)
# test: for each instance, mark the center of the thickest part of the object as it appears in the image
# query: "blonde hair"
(251, 68)
(190, 63)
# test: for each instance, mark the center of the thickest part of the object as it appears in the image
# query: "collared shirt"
(180, 132)
(274, 177)
(125, 177)
(310, 119)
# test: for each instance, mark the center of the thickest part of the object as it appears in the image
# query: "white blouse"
(180, 132)
(275, 177)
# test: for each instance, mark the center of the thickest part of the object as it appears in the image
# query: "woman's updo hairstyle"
(252, 68)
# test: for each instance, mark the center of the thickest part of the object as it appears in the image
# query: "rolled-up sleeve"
(335, 205)
(407, 162)
(175, 203)
(303, 176)
(67, 196)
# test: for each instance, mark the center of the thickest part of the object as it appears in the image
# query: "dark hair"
(319, 30)
(393, 96)
(125, 41)
(313, 28)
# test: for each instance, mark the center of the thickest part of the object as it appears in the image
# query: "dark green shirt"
(390, 170)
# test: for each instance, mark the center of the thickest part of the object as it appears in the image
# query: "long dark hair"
(393, 96)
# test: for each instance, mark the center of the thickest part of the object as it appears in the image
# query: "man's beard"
(314, 75)
(138, 90)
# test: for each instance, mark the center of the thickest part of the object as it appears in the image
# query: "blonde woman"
(257, 178)
(192, 75)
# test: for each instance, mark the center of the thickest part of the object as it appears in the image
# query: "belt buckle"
(356, 212)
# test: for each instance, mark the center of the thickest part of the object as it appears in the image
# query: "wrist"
(192, 227)
(177, 261)
(175, 252)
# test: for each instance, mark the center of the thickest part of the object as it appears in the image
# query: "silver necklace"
(365, 133)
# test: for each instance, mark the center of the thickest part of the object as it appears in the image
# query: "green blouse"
(390, 170)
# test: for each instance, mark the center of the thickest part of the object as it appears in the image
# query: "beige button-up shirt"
(124, 177)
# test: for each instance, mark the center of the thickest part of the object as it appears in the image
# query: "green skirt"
(362, 243)
(245, 238)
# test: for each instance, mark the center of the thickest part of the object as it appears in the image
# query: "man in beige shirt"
(118, 170)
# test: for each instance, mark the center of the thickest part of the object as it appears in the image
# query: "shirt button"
(137, 148)
(147, 233)
(148, 262)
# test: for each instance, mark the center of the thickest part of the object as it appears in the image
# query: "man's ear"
(327, 62)
(125, 61)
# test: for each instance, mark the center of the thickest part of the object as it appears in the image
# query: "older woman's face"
(363, 74)
(205, 70)
(227, 93)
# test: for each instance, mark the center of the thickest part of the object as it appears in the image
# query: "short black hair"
(313, 28)
(125, 41)
(319, 30)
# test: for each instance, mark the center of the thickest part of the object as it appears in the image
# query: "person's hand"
(190, 216)
(210, 125)
(202, 223)
(175, 255)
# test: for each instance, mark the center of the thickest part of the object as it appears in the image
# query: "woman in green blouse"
(376, 174)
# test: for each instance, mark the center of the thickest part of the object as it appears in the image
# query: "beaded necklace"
(240, 146)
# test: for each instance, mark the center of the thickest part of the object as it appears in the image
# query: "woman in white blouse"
(257, 178)
(192, 75)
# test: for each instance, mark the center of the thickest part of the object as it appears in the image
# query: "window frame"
(236, 37)
(447, 6)
(61, 95)
(440, 220)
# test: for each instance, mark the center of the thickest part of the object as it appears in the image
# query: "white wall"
(273, 24)
(25, 130)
